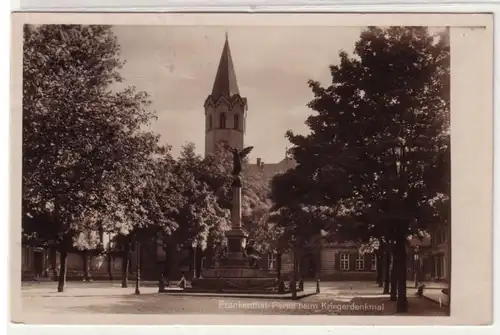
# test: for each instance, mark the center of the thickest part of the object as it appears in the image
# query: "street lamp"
(294, 276)
(400, 150)
(416, 265)
(146, 181)
(138, 268)
(195, 247)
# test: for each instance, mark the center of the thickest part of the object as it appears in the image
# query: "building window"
(222, 121)
(26, 257)
(440, 266)
(374, 263)
(445, 267)
(440, 236)
(344, 262)
(437, 239)
(437, 265)
(209, 122)
(359, 263)
(271, 261)
(236, 124)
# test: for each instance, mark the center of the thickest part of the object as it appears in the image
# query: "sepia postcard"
(316, 169)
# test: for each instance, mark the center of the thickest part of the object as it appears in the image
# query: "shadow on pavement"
(161, 304)
(107, 298)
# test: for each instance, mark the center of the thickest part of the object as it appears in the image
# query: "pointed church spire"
(225, 80)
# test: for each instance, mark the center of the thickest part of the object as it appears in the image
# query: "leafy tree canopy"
(379, 135)
(84, 147)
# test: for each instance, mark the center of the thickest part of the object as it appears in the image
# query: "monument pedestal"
(233, 273)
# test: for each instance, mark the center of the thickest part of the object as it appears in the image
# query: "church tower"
(225, 108)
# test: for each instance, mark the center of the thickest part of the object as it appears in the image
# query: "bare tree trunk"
(379, 266)
(278, 264)
(294, 276)
(63, 269)
(86, 266)
(394, 273)
(387, 269)
(126, 264)
(53, 264)
(402, 302)
(197, 262)
(110, 266)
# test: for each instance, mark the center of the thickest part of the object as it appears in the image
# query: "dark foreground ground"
(336, 298)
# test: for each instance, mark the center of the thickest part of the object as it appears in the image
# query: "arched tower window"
(209, 122)
(236, 124)
(222, 121)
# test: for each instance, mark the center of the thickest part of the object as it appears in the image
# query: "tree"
(79, 135)
(200, 218)
(151, 200)
(296, 217)
(215, 171)
(380, 135)
(256, 208)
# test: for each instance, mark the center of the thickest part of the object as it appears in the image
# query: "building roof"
(225, 80)
(269, 170)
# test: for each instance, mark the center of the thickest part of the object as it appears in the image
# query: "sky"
(177, 67)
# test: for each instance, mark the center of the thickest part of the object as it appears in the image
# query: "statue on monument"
(252, 255)
(236, 243)
(238, 157)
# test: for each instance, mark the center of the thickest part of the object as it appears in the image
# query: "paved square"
(336, 298)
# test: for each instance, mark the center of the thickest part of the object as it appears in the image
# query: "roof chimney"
(259, 161)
